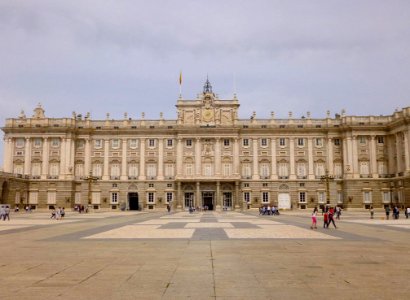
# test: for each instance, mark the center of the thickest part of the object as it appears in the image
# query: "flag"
(180, 78)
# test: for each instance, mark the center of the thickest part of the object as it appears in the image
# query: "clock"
(207, 115)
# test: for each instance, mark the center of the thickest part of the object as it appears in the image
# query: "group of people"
(58, 213)
(267, 210)
(395, 212)
(329, 214)
(5, 213)
(81, 208)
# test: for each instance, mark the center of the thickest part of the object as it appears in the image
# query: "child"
(325, 220)
(314, 219)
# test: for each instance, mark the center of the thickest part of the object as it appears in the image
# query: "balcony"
(283, 177)
(132, 177)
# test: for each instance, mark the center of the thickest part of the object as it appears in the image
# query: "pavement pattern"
(204, 255)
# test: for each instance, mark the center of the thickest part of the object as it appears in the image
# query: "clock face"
(207, 115)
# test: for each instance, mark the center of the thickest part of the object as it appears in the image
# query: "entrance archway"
(133, 202)
(208, 200)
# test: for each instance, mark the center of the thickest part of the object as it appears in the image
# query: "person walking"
(371, 212)
(314, 219)
(325, 219)
(330, 217)
(2, 213)
(407, 212)
(338, 212)
(387, 210)
(7, 213)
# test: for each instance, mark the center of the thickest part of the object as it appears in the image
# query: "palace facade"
(207, 157)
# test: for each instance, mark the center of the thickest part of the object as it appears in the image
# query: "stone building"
(207, 157)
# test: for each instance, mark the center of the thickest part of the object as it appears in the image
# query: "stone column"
(198, 195)
(45, 159)
(124, 160)
(179, 200)
(347, 145)
(330, 166)
(27, 157)
(106, 175)
(373, 157)
(236, 156)
(179, 157)
(274, 173)
(237, 202)
(87, 157)
(255, 162)
(399, 167)
(218, 157)
(311, 173)
(407, 150)
(160, 159)
(8, 155)
(63, 157)
(218, 196)
(292, 158)
(355, 158)
(198, 156)
(70, 161)
(142, 160)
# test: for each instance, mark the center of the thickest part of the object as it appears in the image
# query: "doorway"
(284, 201)
(133, 202)
(208, 200)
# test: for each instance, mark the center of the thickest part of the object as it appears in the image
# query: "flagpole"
(180, 84)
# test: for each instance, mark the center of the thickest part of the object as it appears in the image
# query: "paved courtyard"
(204, 255)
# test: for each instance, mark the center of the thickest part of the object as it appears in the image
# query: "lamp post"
(327, 178)
(90, 179)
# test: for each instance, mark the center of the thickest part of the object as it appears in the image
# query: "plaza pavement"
(204, 255)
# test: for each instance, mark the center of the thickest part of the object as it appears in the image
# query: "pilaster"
(124, 159)
(106, 175)
(292, 158)
(160, 159)
(45, 159)
(255, 162)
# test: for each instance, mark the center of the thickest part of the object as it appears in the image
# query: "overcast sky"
(125, 56)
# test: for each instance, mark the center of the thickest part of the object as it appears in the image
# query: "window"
(55, 143)
(301, 142)
(20, 143)
(282, 142)
(245, 142)
(151, 170)
(264, 184)
(114, 185)
(386, 196)
(362, 140)
(114, 198)
(227, 169)
(170, 143)
(169, 170)
(51, 197)
(301, 169)
(133, 143)
(336, 142)
(381, 167)
(33, 197)
(151, 185)
(97, 169)
(151, 197)
(246, 185)
(264, 169)
(208, 169)
(247, 197)
(151, 143)
(265, 197)
(77, 198)
(367, 197)
(115, 144)
(170, 196)
(364, 168)
(37, 143)
(18, 169)
(380, 139)
(321, 197)
(339, 197)
(246, 170)
(36, 169)
(320, 169)
(133, 170)
(80, 144)
(169, 185)
(338, 170)
(54, 169)
(319, 142)
(264, 142)
(302, 197)
(226, 142)
(115, 170)
(97, 144)
(283, 169)
(188, 170)
(188, 143)
(79, 169)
